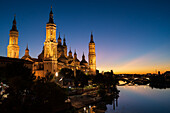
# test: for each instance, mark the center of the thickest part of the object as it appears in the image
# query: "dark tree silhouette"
(27, 95)
(66, 73)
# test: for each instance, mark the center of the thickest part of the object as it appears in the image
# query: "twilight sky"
(131, 36)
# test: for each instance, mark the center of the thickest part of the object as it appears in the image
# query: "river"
(141, 99)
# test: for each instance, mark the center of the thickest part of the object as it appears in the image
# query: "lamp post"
(59, 81)
(56, 77)
(56, 74)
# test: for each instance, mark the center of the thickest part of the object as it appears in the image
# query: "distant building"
(54, 54)
(167, 73)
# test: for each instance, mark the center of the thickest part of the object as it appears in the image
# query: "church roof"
(83, 62)
(59, 46)
(70, 61)
(7, 59)
(26, 56)
(62, 57)
(41, 55)
(77, 60)
(70, 57)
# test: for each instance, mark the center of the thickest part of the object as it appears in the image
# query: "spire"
(83, 57)
(27, 51)
(14, 21)
(64, 41)
(91, 40)
(51, 16)
(70, 53)
(83, 61)
(75, 54)
(59, 39)
(14, 27)
(70, 50)
(59, 35)
(27, 47)
(51, 10)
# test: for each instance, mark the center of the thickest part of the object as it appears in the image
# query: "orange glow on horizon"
(135, 69)
(151, 62)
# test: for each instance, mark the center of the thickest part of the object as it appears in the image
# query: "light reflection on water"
(141, 99)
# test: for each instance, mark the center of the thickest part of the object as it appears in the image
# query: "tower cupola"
(83, 61)
(70, 52)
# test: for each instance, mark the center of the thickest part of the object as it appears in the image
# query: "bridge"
(132, 80)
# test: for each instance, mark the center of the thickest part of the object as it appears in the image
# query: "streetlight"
(56, 74)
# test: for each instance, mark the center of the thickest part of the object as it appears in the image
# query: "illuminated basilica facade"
(54, 54)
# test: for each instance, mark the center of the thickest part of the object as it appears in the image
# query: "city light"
(56, 74)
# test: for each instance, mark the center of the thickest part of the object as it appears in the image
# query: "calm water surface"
(141, 99)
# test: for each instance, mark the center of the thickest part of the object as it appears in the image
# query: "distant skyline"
(131, 36)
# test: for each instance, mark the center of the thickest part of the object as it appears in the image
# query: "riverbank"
(79, 101)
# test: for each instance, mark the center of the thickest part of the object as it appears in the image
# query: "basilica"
(55, 54)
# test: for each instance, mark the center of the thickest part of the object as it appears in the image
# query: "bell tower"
(13, 48)
(92, 57)
(50, 46)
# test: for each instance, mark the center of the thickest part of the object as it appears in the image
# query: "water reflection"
(111, 98)
(141, 99)
(115, 103)
(136, 96)
(134, 99)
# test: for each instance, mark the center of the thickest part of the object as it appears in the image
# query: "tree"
(82, 78)
(66, 73)
(19, 79)
(98, 79)
(27, 95)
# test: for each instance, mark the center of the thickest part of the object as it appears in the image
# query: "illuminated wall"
(13, 48)
(50, 49)
(92, 57)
